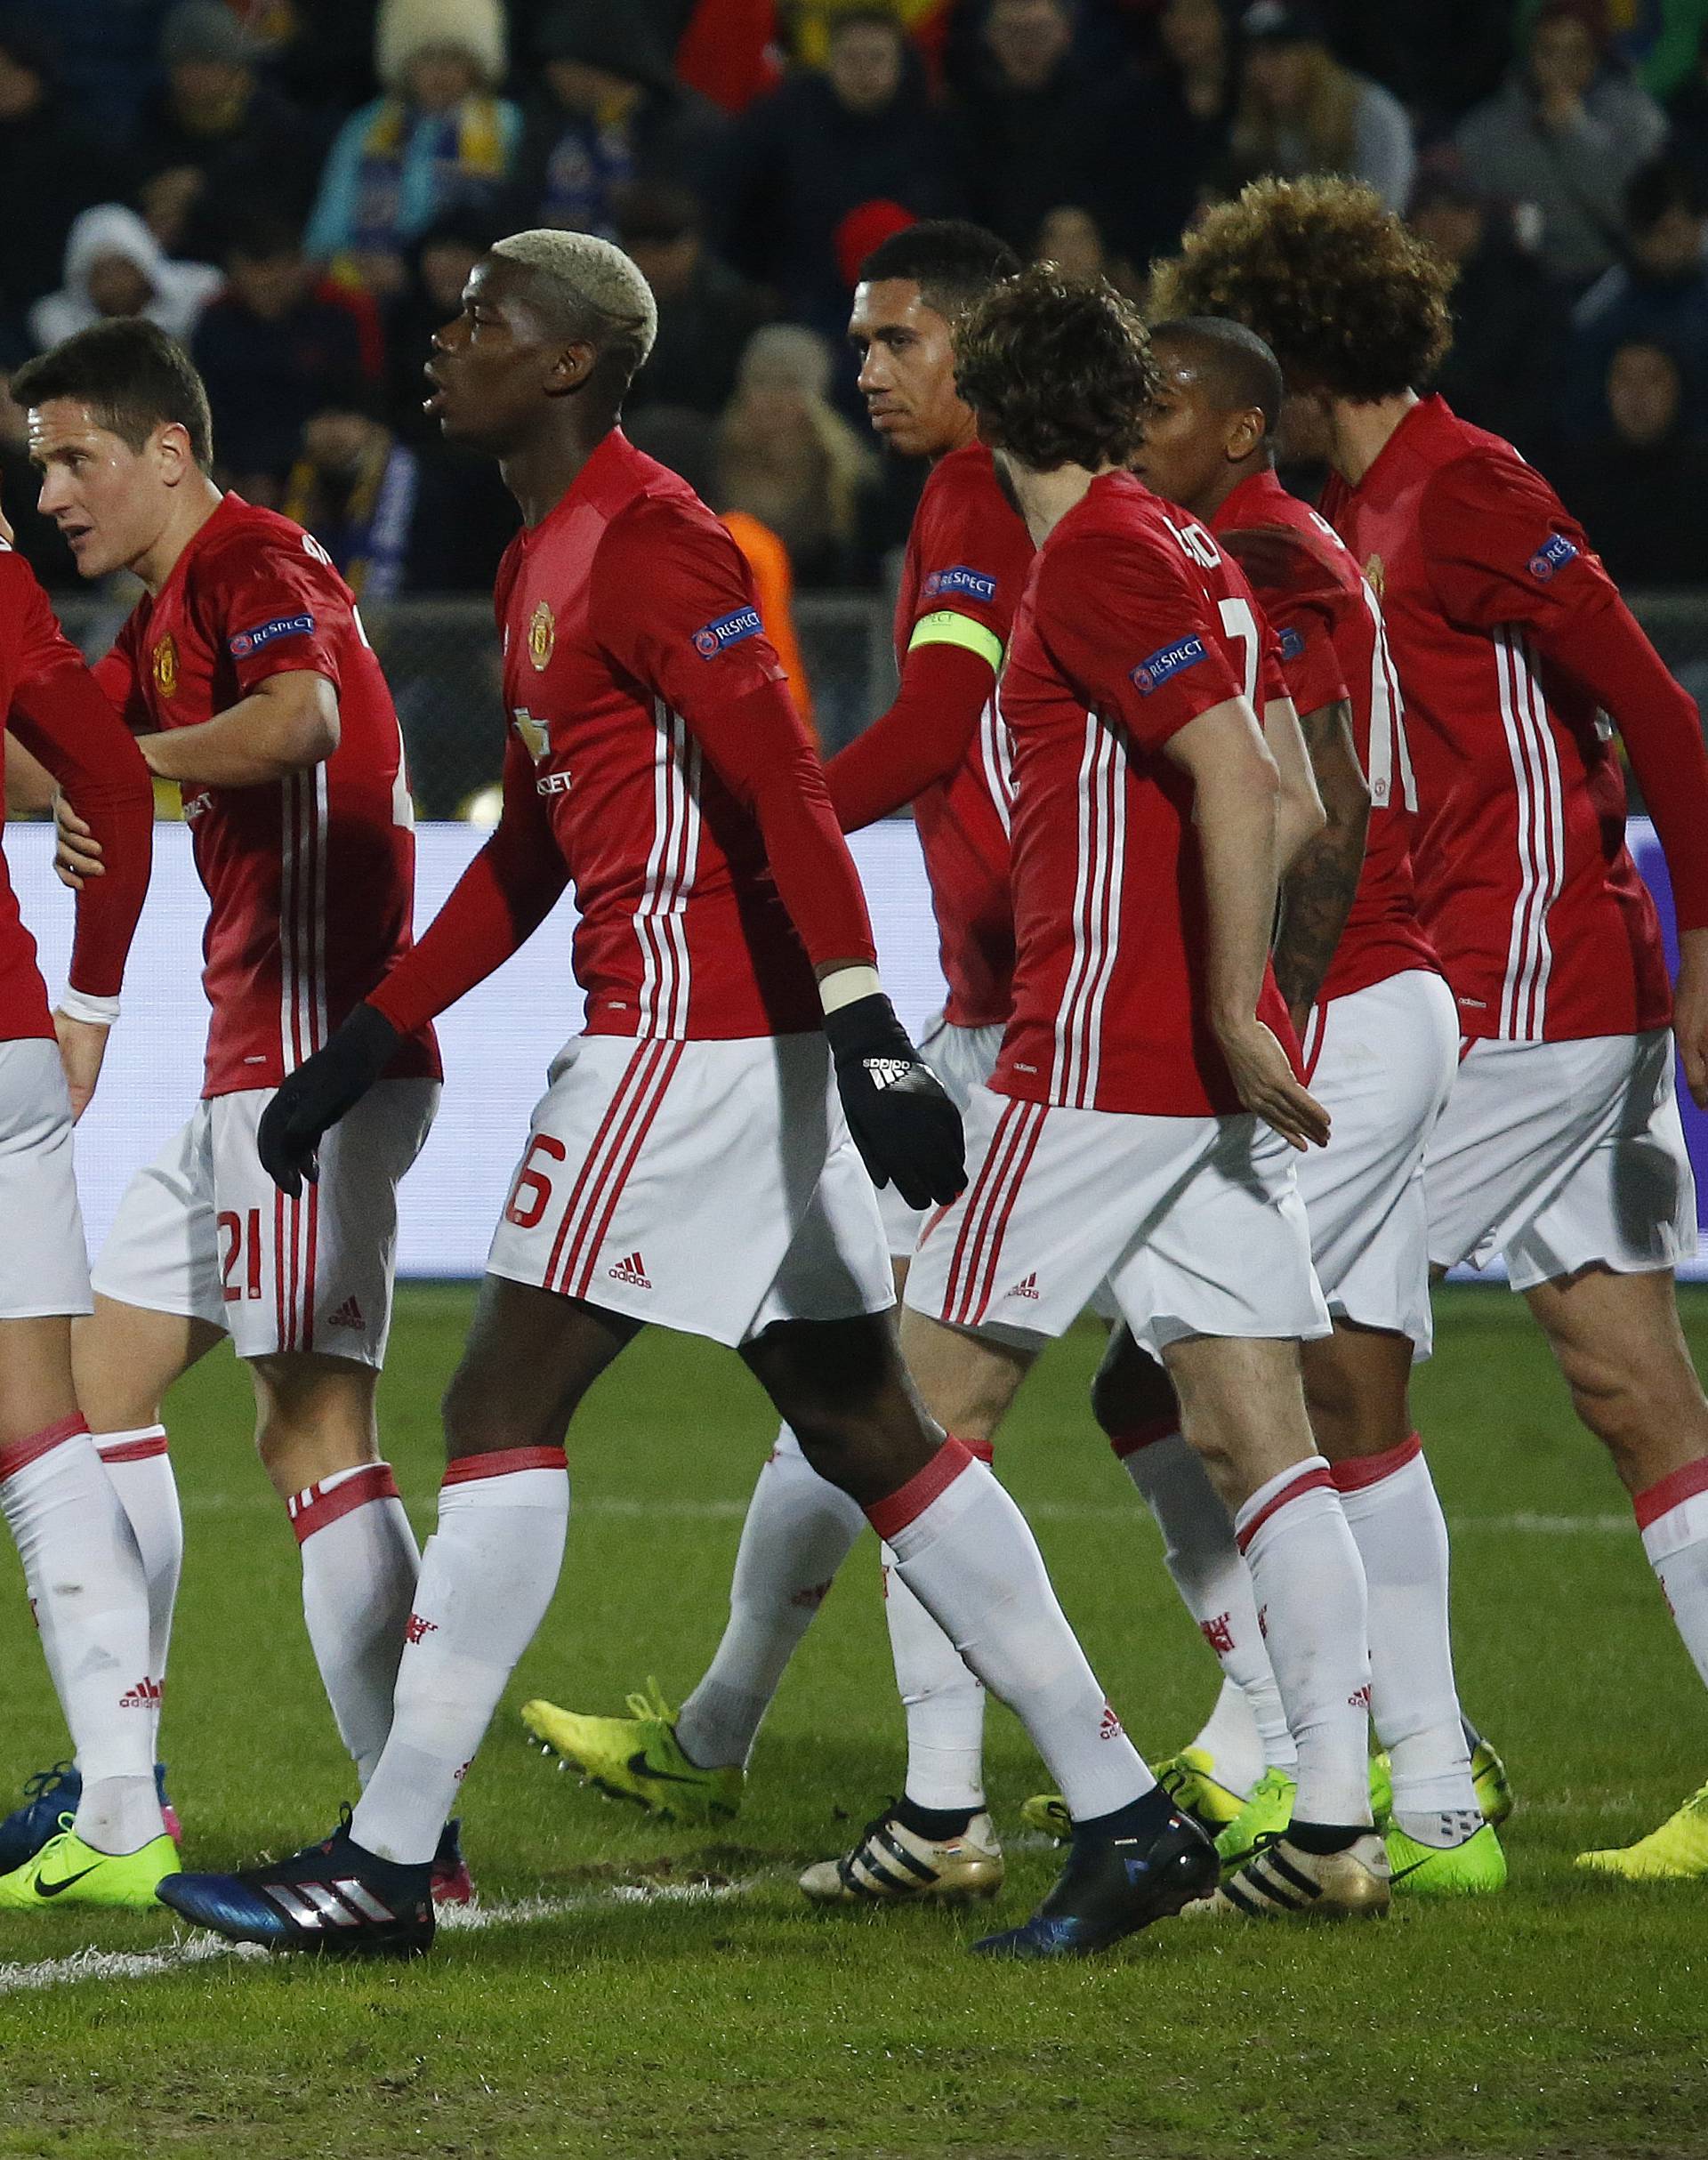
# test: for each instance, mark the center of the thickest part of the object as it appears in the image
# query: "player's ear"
(571, 367)
(170, 448)
(1243, 436)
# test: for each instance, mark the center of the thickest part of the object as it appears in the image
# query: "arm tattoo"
(1316, 893)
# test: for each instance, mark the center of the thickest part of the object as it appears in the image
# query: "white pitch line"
(186, 1951)
(1524, 1523)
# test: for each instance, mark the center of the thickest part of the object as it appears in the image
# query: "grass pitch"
(639, 1990)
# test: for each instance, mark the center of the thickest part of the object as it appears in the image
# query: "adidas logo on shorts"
(1027, 1288)
(348, 1315)
(632, 1271)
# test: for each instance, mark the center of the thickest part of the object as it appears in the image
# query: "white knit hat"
(406, 26)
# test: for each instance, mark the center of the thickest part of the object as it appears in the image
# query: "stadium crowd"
(298, 187)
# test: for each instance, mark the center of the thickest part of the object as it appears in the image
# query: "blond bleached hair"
(591, 276)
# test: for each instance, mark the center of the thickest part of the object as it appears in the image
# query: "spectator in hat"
(862, 128)
(1657, 295)
(1640, 483)
(1509, 319)
(114, 266)
(1302, 111)
(214, 134)
(1562, 137)
(706, 313)
(50, 161)
(788, 458)
(439, 139)
(607, 112)
(272, 353)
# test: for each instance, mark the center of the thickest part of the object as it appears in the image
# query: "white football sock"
(1309, 1585)
(359, 1565)
(799, 1530)
(944, 1701)
(1673, 1519)
(487, 1579)
(84, 1578)
(1200, 1553)
(1392, 1509)
(141, 1471)
(964, 1550)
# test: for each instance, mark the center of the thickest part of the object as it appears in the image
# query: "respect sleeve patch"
(727, 630)
(972, 584)
(1292, 643)
(1165, 663)
(1552, 557)
(246, 642)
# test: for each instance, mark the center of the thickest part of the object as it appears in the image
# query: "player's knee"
(1130, 1387)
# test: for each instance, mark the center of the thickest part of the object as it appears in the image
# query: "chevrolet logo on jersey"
(163, 661)
(534, 732)
(542, 636)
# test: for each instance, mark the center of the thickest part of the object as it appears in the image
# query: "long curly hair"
(1353, 305)
(1057, 371)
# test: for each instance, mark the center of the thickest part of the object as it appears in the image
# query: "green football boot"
(638, 1757)
(65, 1871)
(1474, 1869)
(1677, 1853)
(1265, 1815)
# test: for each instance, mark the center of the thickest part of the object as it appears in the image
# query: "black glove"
(908, 1131)
(317, 1094)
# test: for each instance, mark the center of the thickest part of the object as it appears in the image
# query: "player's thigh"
(36, 1389)
(126, 1357)
(314, 1416)
(1358, 1383)
(1618, 1342)
(965, 1381)
(530, 1357)
(1242, 1408)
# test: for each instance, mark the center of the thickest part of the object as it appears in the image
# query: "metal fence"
(441, 657)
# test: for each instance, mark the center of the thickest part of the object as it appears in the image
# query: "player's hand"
(83, 1044)
(908, 1131)
(1263, 1078)
(318, 1094)
(1690, 1013)
(77, 852)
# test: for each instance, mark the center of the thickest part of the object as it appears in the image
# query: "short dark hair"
(132, 377)
(952, 261)
(1659, 188)
(1058, 372)
(1352, 303)
(1246, 372)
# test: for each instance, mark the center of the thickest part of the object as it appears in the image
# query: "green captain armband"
(946, 627)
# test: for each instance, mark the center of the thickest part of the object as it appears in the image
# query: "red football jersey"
(1333, 646)
(632, 641)
(967, 558)
(310, 881)
(50, 701)
(1133, 624)
(1510, 640)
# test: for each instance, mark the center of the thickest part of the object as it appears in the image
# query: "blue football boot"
(332, 1900)
(50, 1794)
(1113, 1886)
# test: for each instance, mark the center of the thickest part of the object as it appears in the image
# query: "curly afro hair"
(1057, 371)
(1354, 305)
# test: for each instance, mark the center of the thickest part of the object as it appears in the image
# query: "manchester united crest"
(163, 661)
(534, 732)
(542, 636)
(1377, 574)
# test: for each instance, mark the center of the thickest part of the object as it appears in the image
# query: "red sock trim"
(465, 1469)
(33, 1445)
(1650, 1504)
(134, 1451)
(1135, 1437)
(314, 1508)
(1321, 1480)
(984, 1449)
(1360, 1472)
(909, 1502)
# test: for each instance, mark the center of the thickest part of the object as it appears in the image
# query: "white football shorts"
(44, 1262)
(204, 1231)
(1381, 1060)
(707, 1187)
(962, 1058)
(1562, 1155)
(1195, 1224)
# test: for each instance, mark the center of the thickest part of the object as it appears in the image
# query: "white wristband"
(96, 1011)
(847, 986)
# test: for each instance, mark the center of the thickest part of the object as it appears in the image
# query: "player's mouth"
(74, 535)
(885, 418)
(435, 402)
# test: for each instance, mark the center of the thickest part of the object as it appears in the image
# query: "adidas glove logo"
(887, 1072)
